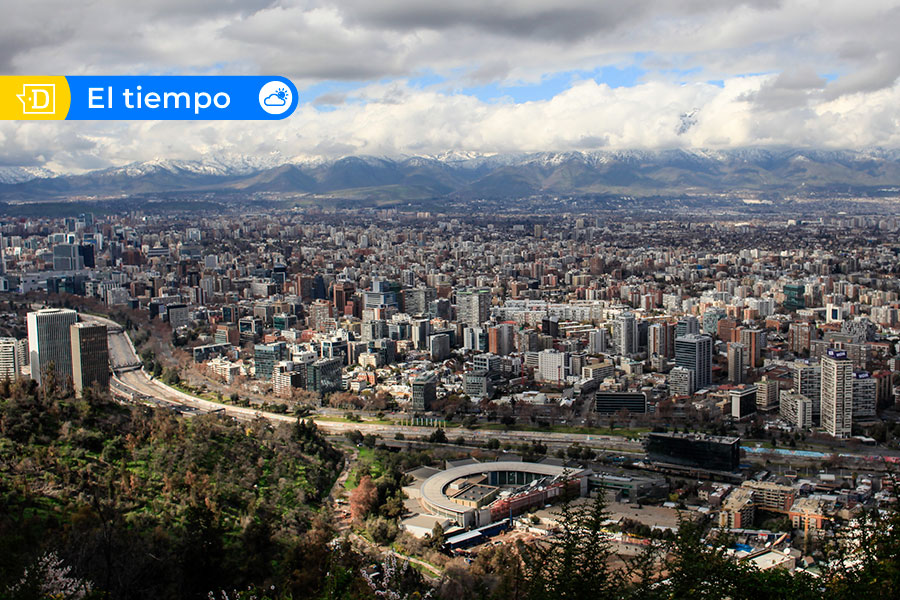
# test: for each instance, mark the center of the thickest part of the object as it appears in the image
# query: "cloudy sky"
(395, 77)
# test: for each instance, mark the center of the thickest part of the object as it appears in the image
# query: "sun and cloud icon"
(278, 98)
(275, 98)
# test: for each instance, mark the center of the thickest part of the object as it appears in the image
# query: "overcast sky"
(395, 77)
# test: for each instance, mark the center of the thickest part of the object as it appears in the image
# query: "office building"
(487, 361)
(743, 402)
(439, 346)
(694, 450)
(49, 342)
(794, 297)
(501, 339)
(424, 392)
(265, 356)
(737, 363)
(324, 375)
(613, 402)
(837, 394)
(694, 352)
(418, 301)
(475, 339)
(90, 356)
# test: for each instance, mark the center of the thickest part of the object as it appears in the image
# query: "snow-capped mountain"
(646, 172)
(21, 174)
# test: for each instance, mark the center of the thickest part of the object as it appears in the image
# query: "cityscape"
(752, 387)
(477, 301)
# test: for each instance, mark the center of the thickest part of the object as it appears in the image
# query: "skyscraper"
(694, 352)
(625, 334)
(737, 361)
(473, 306)
(661, 339)
(90, 356)
(837, 393)
(48, 341)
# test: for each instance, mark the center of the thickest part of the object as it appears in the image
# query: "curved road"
(130, 380)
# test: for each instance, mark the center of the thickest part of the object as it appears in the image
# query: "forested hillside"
(144, 504)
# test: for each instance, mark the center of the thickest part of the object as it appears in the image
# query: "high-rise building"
(743, 402)
(341, 293)
(12, 358)
(737, 363)
(625, 334)
(755, 340)
(90, 356)
(421, 331)
(550, 326)
(597, 341)
(424, 391)
(681, 381)
(418, 301)
(319, 313)
(794, 297)
(265, 356)
(49, 342)
(837, 393)
(324, 375)
(552, 366)
(694, 352)
(67, 257)
(796, 409)
(864, 395)
(439, 346)
(661, 339)
(808, 382)
(501, 339)
(687, 325)
(473, 306)
(711, 320)
(800, 336)
(767, 394)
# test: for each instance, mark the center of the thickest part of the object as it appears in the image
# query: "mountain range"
(461, 175)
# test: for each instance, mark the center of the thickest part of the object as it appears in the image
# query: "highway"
(131, 382)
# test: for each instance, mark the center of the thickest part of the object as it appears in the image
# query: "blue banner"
(167, 98)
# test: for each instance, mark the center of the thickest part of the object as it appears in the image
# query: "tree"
(363, 498)
(576, 561)
(438, 538)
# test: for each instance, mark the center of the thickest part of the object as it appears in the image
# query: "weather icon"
(275, 98)
(279, 98)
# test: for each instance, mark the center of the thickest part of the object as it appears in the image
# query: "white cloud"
(786, 47)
